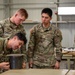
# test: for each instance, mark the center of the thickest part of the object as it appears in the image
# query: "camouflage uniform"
(41, 46)
(7, 29)
(3, 49)
(3, 52)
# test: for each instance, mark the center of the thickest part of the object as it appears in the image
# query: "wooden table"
(71, 72)
(36, 72)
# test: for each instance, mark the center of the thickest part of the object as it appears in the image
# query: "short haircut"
(23, 12)
(21, 37)
(47, 11)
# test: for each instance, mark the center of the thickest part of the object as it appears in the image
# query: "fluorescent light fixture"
(66, 10)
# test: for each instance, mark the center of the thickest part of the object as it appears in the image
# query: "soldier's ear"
(50, 18)
(15, 37)
(16, 14)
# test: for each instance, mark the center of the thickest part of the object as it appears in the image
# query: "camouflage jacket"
(45, 45)
(8, 29)
(3, 50)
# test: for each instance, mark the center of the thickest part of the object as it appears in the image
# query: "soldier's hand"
(57, 65)
(4, 65)
(24, 65)
(31, 64)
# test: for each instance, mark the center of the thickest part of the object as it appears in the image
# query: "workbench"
(71, 72)
(36, 72)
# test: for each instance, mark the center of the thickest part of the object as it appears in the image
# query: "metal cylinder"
(15, 61)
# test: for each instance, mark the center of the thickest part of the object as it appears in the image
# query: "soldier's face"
(16, 44)
(45, 18)
(19, 19)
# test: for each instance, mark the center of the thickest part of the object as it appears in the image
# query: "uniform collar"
(46, 29)
(13, 25)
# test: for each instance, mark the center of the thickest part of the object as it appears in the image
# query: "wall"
(1, 10)
(34, 8)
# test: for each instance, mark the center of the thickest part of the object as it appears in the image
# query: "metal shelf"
(58, 22)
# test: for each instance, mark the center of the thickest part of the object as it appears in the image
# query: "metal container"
(15, 61)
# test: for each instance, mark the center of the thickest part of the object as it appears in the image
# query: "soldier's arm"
(57, 43)
(1, 30)
(31, 46)
(23, 49)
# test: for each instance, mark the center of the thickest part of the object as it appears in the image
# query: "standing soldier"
(13, 25)
(44, 38)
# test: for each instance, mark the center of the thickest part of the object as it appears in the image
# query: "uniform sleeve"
(1, 30)
(57, 43)
(31, 44)
(23, 51)
(23, 48)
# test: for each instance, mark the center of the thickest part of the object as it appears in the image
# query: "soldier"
(44, 38)
(12, 25)
(7, 45)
